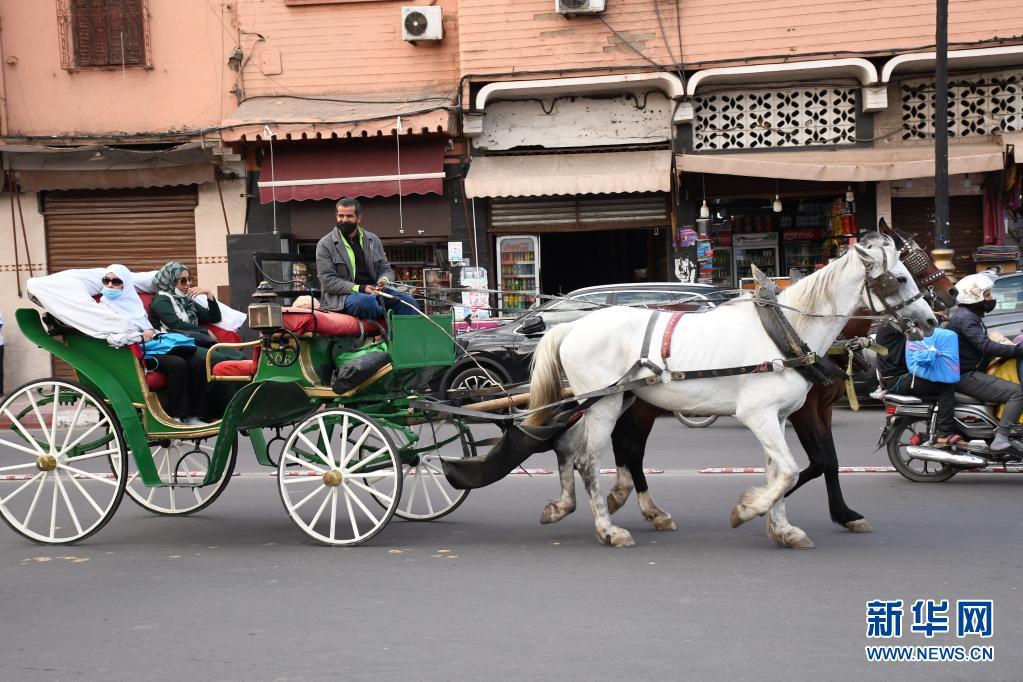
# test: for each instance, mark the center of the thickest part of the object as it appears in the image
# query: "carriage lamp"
(265, 312)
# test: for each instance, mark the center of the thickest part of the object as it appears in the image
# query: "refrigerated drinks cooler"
(518, 274)
(760, 249)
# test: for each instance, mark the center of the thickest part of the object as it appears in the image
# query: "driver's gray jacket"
(335, 266)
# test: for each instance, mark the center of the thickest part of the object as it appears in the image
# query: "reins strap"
(818, 370)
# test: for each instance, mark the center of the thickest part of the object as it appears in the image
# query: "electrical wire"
(627, 43)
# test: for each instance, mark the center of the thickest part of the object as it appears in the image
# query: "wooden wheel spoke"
(376, 493)
(72, 425)
(67, 501)
(21, 487)
(16, 423)
(87, 474)
(318, 489)
(35, 498)
(365, 510)
(312, 446)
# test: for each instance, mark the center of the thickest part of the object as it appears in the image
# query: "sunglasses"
(112, 280)
(184, 280)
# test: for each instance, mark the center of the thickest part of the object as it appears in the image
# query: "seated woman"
(185, 397)
(174, 306)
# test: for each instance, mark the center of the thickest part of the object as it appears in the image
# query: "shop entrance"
(572, 260)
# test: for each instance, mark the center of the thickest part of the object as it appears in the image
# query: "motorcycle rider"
(895, 377)
(976, 350)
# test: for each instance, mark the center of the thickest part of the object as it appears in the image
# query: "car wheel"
(473, 378)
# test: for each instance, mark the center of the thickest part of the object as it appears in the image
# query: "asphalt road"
(238, 593)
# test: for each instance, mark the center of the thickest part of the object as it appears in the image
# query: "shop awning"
(847, 165)
(301, 171)
(555, 174)
(302, 118)
(102, 167)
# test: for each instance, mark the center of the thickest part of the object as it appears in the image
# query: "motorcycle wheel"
(917, 470)
(695, 421)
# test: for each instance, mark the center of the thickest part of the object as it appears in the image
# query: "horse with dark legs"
(811, 422)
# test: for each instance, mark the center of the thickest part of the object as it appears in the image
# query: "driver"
(975, 352)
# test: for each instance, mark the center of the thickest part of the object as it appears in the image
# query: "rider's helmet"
(972, 287)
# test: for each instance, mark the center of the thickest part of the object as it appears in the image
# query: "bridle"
(884, 286)
(916, 261)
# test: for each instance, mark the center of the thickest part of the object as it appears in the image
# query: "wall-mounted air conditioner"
(579, 6)
(422, 24)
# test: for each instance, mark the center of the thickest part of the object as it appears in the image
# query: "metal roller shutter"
(582, 213)
(966, 217)
(139, 228)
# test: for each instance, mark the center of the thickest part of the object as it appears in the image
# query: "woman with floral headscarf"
(174, 307)
(185, 395)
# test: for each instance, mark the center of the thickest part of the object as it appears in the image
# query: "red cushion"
(156, 380)
(235, 368)
(300, 321)
(223, 335)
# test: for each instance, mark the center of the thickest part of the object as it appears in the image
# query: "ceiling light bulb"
(705, 210)
(849, 196)
(776, 206)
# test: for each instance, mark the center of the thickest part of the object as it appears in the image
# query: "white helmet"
(972, 287)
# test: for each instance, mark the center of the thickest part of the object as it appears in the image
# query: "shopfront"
(777, 225)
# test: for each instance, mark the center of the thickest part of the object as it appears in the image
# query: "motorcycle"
(909, 431)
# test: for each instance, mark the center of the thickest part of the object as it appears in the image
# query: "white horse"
(601, 348)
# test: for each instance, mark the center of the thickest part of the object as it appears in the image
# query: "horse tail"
(545, 371)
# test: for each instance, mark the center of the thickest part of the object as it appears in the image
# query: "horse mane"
(817, 291)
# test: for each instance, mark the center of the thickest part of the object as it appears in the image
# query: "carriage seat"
(157, 380)
(301, 321)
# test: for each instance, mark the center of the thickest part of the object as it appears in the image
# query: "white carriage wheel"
(61, 462)
(426, 494)
(185, 463)
(334, 467)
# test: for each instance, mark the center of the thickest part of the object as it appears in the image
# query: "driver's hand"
(148, 335)
(369, 289)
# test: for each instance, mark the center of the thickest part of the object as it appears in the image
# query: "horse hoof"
(736, 517)
(664, 523)
(859, 526)
(552, 513)
(613, 503)
(798, 540)
(619, 537)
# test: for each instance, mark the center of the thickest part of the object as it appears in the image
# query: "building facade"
(110, 147)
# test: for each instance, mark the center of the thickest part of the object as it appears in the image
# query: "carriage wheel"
(182, 465)
(333, 467)
(426, 494)
(61, 462)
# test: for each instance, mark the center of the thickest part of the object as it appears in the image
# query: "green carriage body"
(274, 396)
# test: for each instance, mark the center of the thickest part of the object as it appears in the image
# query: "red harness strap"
(668, 331)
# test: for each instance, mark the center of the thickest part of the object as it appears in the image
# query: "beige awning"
(42, 167)
(847, 165)
(556, 174)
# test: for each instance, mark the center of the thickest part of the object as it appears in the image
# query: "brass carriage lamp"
(265, 312)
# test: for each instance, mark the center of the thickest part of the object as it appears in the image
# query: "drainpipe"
(4, 126)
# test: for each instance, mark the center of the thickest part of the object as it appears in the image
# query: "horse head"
(889, 286)
(937, 286)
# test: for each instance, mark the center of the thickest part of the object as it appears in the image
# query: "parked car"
(1007, 317)
(505, 351)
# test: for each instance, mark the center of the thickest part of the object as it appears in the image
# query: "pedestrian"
(354, 271)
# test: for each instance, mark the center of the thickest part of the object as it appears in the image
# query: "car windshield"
(1008, 295)
(570, 309)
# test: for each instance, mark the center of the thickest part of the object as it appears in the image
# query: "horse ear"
(759, 277)
(882, 226)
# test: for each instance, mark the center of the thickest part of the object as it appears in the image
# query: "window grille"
(104, 34)
(978, 105)
(795, 117)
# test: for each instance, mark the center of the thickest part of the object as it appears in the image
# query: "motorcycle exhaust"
(946, 457)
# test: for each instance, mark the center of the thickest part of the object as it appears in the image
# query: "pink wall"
(186, 88)
(527, 35)
(352, 49)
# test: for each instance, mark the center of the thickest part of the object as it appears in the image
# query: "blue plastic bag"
(165, 344)
(935, 358)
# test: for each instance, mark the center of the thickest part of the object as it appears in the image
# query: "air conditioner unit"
(421, 23)
(579, 6)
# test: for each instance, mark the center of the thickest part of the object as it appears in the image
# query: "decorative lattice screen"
(977, 105)
(796, 117)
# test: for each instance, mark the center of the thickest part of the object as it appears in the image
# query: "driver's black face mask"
(347, 228)
(988, 306)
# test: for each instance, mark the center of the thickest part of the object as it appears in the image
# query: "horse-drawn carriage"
(346, 461)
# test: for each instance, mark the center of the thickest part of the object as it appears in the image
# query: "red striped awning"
(296, 172)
